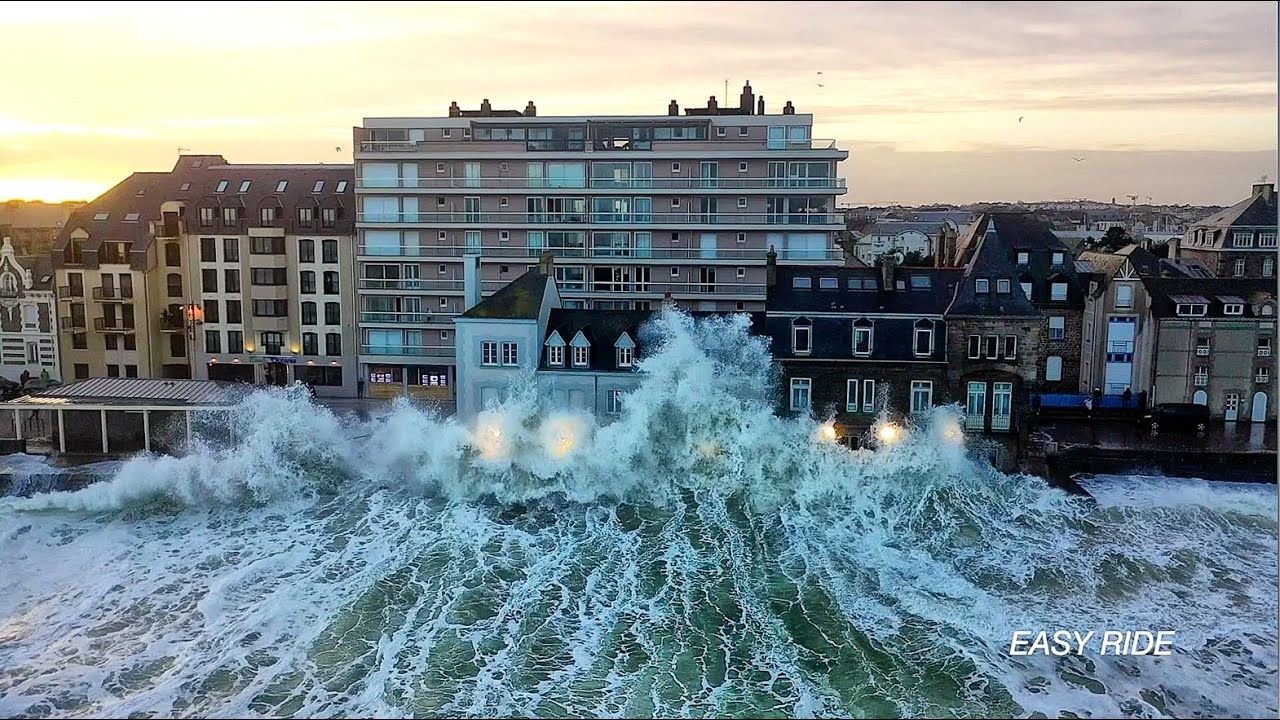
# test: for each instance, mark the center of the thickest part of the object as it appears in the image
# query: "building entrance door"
(1259, 413)
(276, 374)
(1232, 411)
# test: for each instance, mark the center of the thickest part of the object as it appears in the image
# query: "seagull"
(338, 149)
(1020, 117)
(1078, 159)
(821, 85)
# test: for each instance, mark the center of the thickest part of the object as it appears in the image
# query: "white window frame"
(1242, 238)
(1201, 376)
(1262, 376)
(613, 402)
(868, 396)
(1202, 346)
(1058, 259)
(489, 353)
(1192, 309)
(1232, 309)
(796, 327)
(801, 383)
(916, 387)
(1058, 292)
(721, 130)
(510, 354)
(1057, 327)
(555, 355)
(1264, 347)
(581, 356)
(742, 167)
(851, 395)
(1267, 240)
(1124, 295)
(1002, 286)
(1024, 258)
(1053, 370)
(742, 203)
(1010, 353)
(982, 286)
(915, 341)
(625, 357)
(974, 341)
(871, 339)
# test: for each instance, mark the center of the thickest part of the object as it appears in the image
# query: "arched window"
(174, 284)
(8, 283)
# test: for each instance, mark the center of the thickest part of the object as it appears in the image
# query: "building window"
(801, 336)
(613, 404)
(328, 217)
(921, 396)
(1053, 368)
(489, 354)
(230, 216)
(306, 280)
(271, 343)
(975, 347)
(1057, 327)
(555, 355)
(131, 371)
(306, 215)
(207, 215)
(851, 395)
(306, 251)
(1202, 346)
(270, 308)
(742, 167)
(272, 276)
(81, 371)
(1268, 267)
(675, 168)
(1264, 347)
(580, 355)
(333, 344)
(1232, 309)
(1192, 309)
(212, 341)
(1010, 347)
(1124, 295)
(209, 280)
(308, 313)
(1026, 289)
(211, 311)
(510, 356)
(981, 286)
(993, 347)
(801, 394)
(1262, 375)
(742, 203)
(1058, 291)
(331, 282)
(177, 345)
(231, 249)
(332, 313)
(266, 246)
(1024, 258)
(924, 338)
(310, 343)
(267, 215)
(1058, 259)
(232, 278)
(208, 250)
(1242, 239)
(1238, 268)
(235, 341)
(172, 255)
(233, 312)
(624, 357)
(720, 131)
(863, 332)
(1002, 286)
(173, 285)
(1201, 377)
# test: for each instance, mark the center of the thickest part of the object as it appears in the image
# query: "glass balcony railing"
(408, 350)
(522, 183)
(583, 218)
(636, 253)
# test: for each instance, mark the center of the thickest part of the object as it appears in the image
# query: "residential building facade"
(900, 237)
(854, 343)
(214, 271)
(1237, 242)
(635, 208)
(28, 317)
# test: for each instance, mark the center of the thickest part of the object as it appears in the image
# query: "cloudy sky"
(1176, 102)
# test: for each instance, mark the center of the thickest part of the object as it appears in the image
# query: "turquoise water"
(699, 557)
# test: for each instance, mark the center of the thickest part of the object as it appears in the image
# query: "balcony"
(1000, 422)
(71, 324)
(111, 294)
(112, 325)
(645, 184)
(68, 292)
(408, 350)
(411, 284)
(755, 290)
(481, 147)
(602, 253)
(378, 317)
(1202, 350)
(508, 219)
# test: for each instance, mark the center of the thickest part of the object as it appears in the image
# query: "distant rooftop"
(135, 391)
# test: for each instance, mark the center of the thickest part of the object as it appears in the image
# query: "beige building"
(213, 271)
(634, 208)
(1237, 242)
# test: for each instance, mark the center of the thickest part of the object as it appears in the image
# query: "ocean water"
(698, 557)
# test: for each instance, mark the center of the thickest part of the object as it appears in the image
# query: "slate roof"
(1144, 262)
(783, 296)
(1255, 292)
(194, 180)
(897, 227)
(601, 328)
(991, 262)
(1258, 209)
(520, 299)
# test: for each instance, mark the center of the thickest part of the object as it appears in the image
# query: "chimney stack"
(771, 267)
(545, 261)
(454, 110)
(711, 103)
(747, 101)
(530, 110)
(760, 106)
(888, 261)
(788, 109)
(1265, 190)
(673, 108)
(486, 109)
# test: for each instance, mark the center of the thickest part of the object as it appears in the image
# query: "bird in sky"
(1020, 117)
(1078, 159)
(821, 85)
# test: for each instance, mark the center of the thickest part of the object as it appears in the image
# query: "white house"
(28, 317)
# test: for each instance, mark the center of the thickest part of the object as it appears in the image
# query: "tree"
(1116, 238)
(915, 257)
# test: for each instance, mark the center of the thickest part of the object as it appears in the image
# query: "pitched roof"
(601, 328)
(989, 261)
(1257, 209)
(897, 227)
(1143, 261)
(519, 299)
(143, 391)
(1166, 293)
(1014, 230)
(848, 295)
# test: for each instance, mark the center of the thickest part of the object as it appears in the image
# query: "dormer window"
(923, 344)
(1002, 286)
(801, 336)
(581, 354)
(828, 283)
(624, 351)
(802, 283)
(863, 336)
(981, 286)
(1058, 291)
(555, 350)
(624, 357)
(1233, 309)
(1058, 259)
(1192, 309)
(1024, 258)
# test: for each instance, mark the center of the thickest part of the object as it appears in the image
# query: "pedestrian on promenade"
(1127, 396)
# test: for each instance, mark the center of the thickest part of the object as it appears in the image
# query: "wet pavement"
(1119, 434)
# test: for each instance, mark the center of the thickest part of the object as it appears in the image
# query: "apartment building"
(1213, 342)
(214, 270)
(854, 342)
(634, 208)
(28, 316)
(1237, 242)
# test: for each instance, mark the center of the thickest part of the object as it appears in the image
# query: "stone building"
(28, 317)
(1237, 242)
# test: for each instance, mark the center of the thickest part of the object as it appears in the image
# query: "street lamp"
(193, 316)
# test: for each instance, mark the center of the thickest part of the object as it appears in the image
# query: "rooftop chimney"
(454, 110)
(747, 101)
(888, 262)
(1266, 190)
(711, 103)
(788, 109)
(545, 261)
(673, 108)
(760, 106)
(485, 108)
(530, 110)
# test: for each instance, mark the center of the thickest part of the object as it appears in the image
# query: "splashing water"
(700, 556)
